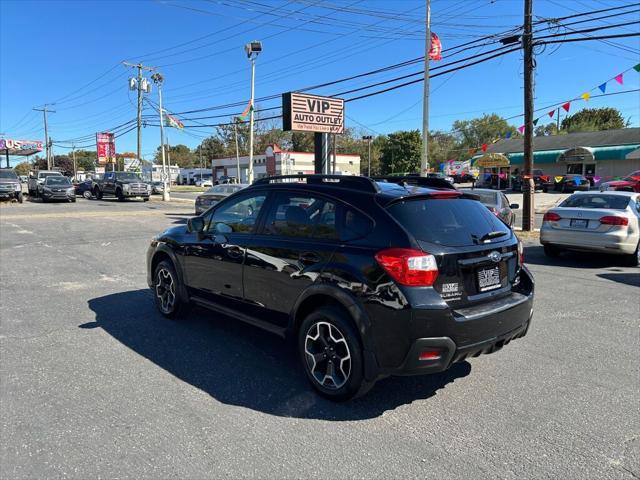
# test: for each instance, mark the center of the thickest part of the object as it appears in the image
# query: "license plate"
(578, 223)
(489, 278)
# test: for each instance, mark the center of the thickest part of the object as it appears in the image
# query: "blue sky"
(67, 53)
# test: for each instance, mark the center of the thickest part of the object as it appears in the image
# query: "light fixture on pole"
(252, 49)
(158, 79)
(368, 139)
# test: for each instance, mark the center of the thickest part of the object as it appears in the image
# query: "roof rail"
(355, 182)
(416, 180)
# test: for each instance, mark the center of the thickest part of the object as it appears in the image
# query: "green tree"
(86, 160)
(473, 133)
(302, 142)
(211, 147)
(401, 152)
(442, 147)
(594, 119)
(180, 155)
(546, 130)
(23, 168)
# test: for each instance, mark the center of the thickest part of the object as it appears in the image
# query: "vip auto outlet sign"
(311, 113)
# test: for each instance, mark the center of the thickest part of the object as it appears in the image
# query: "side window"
(505, 201)
(302, 216)
(356, 225)
(107, 176)
(238, 216)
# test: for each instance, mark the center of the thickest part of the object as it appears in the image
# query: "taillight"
(409, 267)
(614, 220)
(551, 217)
(445, 194)
(494, 210)
(520, 253)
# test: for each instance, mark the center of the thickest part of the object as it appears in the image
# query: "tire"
(145, 199)
(168, 299)
(321, 354)
(87, 194)
(20, 197)
(545, 189)
(98, 193)
(72, 200)
(633, 260)
(119, 195)
(551, 251)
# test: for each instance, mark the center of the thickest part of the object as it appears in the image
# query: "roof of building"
(623, 136)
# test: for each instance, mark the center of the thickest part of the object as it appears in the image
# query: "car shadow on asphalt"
(631, 278)
(241, 365)
(534, 254)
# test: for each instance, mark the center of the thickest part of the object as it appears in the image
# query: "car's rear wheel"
(551, 251)
(20, 197)
(87, 194)
(97, 193)
(120, 195)
(166, 289)
(331, 354)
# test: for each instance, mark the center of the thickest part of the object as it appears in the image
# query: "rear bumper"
(485, 333)
(616, 242)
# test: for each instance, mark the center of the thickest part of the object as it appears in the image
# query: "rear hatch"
(476, 253)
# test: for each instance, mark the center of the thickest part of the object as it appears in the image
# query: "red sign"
(106, 148)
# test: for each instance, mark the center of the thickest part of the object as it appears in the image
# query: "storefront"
(494, 170)
(601, 156)
(20, 148)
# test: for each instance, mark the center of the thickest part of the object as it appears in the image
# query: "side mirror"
(222, 228)
(195, 224)
(514, 206)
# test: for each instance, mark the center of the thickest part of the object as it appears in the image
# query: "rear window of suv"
(454, 222)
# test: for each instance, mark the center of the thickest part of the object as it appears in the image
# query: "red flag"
(484, 147)
(566, 106)
(551, 113)
(435, 53)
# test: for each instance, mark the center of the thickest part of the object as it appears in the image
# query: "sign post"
(312, 113)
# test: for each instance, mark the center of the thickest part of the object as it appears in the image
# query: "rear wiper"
(490, 235)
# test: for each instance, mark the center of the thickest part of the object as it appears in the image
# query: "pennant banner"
(558, 179)
(618, 78)
(521, 129)
(484, 147)
(508, 135)
(596, 179)
(535, 122)
(566, 106)
(603, 87)
(637, 68)
(586, 96)
(551, 113)
(577, 180)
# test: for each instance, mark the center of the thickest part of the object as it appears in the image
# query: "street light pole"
(158, 79)
(235, 127)
(252, 49)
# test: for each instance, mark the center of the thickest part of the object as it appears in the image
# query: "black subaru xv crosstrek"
(370, 278)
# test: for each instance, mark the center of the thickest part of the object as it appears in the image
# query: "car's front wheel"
(166, 289)
(633, 260)
(331, 354)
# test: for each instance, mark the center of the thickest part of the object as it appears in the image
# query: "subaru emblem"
(494, 256)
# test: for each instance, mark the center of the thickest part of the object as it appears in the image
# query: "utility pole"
(528, 215)
(368, 139)
(558, 122)
(235, 128)
(335, 156)
(158, 79)
(47, 140)
(424, 160)
(75, 170)
(138, 82)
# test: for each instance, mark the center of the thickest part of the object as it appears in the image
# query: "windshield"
(57, 180)
(452, 222)
(609, 202)
(49, 174)
(8, 174)
(128, 176)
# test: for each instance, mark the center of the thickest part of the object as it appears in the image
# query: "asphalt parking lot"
(95, 383)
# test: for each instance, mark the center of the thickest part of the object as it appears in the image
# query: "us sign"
(311, 113)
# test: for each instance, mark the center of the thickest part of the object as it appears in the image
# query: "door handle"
(309, 257)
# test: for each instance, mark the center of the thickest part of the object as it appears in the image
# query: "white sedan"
(606, 222)
(204, 183)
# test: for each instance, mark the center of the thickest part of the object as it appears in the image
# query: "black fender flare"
(163, 248)
(346, 299)
(358, 314)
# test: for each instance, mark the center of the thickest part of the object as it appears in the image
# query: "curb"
(174, 200)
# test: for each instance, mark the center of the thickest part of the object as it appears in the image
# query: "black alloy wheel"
(331, 354)
(166, 289)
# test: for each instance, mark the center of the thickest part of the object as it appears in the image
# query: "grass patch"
(188, 188)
